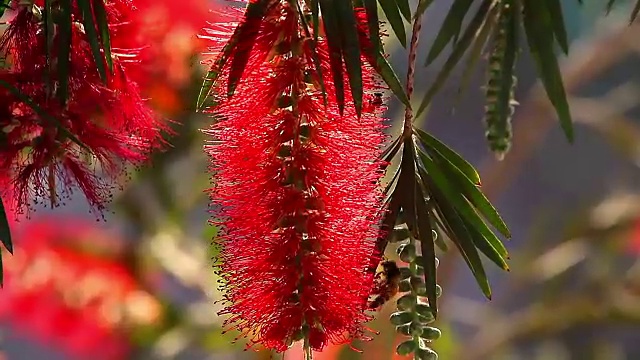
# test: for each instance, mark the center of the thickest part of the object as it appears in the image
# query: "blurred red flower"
(110, 120)
(64, 296)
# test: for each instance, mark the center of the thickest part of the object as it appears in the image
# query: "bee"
(377, 99)
(387, 283)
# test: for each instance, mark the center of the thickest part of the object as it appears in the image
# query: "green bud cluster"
(414, 316)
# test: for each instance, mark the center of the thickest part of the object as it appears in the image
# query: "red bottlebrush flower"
(110, 119)
(87, 319)
(296, 185)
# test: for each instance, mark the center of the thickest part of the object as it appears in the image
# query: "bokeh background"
(140, 285)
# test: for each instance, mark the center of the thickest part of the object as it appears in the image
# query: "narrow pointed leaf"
(406, 184)
(351, 50)
(474, 56)
(373, 24)
(390, 152)
(316, 60)
(472, 32)
(384, 69)
(635, 11)
(557, 22)
(102, 23)
(431, 142)
(460, 236)
(423, 5)
(64, 49)
(254, 14)
(391, 11)
(92, 37)
(332, 30)
(472, 193)
(48, 34)
(486, 247)
(537, 25)
(459, 202)
(450, 27)
(405, 9)
(5, 230)
(427, 247)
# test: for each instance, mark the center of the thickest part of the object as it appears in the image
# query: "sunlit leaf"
(431, 142)
(403, 6)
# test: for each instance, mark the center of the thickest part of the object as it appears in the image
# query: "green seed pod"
(401, 317)
(438, 290)
(425, 315)
(425, 354)
(400, 233)
(407, 252)
(405, 285)
(406, 302)
(430, 333)
(405, 273)
(418, 285)
(404, 329)
(406, 348)
(416, 328)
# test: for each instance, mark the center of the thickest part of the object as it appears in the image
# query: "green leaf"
(403, 6)
(351, 50)
(373, 23)
(537, 25)
(423, 5)
(5, 230)
(635, 12)
(391, 11)
(459, 202)
(64, 49)
(102, 23)
(450, 27)
(406, 183)
(48, 34)
(92, 37)
(255, 12)
(316, 60)
(472, 193)
(458, 233)
(434, 144)
(332, 30)
(557, 22)
(4, 5)
(486, 247)
(474, 56)
(472, 31)
(390, 152)
(427, 247)
(384, 69)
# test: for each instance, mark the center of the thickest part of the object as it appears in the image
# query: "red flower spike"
(296, 189)
(111, 120)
